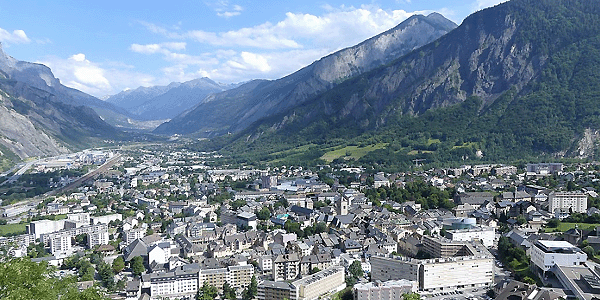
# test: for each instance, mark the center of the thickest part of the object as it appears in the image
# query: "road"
(20, 172)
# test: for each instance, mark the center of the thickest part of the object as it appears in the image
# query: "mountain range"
(236, 109)
(515, 81)
(166, 102)
(518, 80)
(40, 117)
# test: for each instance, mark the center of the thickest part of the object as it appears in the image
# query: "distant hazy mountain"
(236, 109)
(165, 102)
(39, 116)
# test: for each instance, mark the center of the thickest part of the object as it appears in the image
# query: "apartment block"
(387, 290)
(572, 201)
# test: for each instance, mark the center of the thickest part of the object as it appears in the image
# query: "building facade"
(573, 201)
(387, 290)
(547, 254)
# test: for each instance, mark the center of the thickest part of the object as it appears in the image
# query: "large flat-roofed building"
(442, 247)
(573, 201)
(330, 280)
(457, 265)
(180, 282)
(236, 276)
(545, 168)
(483, 234)
(582, 281)
(547, 254)
(312, 287)
(276, 290)
(387, 290)
(38, 228)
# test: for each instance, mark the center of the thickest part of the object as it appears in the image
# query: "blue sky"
(103, 47)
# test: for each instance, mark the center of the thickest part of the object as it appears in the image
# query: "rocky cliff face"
(523, 73)
(19, 135)
(235, 110)
(38, 116)
(485, 57)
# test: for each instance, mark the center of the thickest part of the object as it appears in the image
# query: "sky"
(104, 47)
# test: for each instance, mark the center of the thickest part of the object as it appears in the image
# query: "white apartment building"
(547, 254)
(437, 274)
(97, 238)
(133, 234)
(106, 219)
(236, 276)
(60, 245)
(387, 290)
(82, 218)
(483, 234)
(330, 280)
(176, 284)
(265, 263)
(45, 238)
(574, 201)
(38, 228)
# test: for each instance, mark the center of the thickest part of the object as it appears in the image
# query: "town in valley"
(165, 222)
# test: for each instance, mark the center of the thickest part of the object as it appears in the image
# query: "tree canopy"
(22, 279)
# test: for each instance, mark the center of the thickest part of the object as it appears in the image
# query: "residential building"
(236, 276)
(484, 234)
(457, 266)
(286, 267)
(276, 290)
(545, 168)
(60, 245)
(572, 201)
(386, 290)
(180, 282)
(97, 238)
(330, 280)
(547, 254)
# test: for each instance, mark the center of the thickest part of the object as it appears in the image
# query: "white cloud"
(225, 9)
(337, 28)
(157, 48)
(94, 78)
(268, 50)
(16, 37)
(229, 14)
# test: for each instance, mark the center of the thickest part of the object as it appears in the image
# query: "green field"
(11, 229)
(354, 152)
(562, 227)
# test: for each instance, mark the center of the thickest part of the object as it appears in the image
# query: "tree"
(118, 264)
(355, 269)
(411, 296)
(521, 219)
(251, 291)
(106, 275)
(86, 270)
(207, 292)
(263, 214)
(81, 239)
(553, 223)
(22, 279)
(589, 251)
(314, 270)
(228, 291)
(528, 280)
(137, 266)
